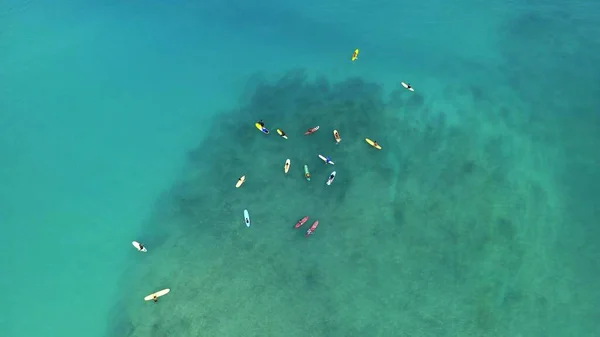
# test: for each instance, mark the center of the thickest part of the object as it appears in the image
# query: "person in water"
(261, 123)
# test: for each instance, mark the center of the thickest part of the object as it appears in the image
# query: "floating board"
(355, 55)
(240, 181)
(282, 134)
(246, 218)
(372, 143)
(312, 228)
(262, 128)
(336, 136)
(137, 246)
(406, 86)
(331, 178)
(286, 167)
(325, 160)
(157, 294)
(306, 173)
(312, 130)
(301, 222)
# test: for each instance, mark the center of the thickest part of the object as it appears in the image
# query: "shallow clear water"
(124, 121)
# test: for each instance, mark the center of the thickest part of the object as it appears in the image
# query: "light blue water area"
(132, 120)
(94, 125)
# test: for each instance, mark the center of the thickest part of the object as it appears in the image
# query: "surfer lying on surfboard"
(312, 229)
(306, 173)
(311, 130)
(282, 133)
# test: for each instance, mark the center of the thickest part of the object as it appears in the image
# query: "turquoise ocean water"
(132, 120)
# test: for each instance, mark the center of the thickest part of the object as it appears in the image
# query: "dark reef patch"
(400, 228)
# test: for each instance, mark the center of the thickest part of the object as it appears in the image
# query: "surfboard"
(330, 180)
(306, 173)
(312, 130)
(240, 181)
(282, 134)
(336, 136)
(372, 143)
(137, 246)
(286, 166)
(157, 294)
(246, 218)
(355, 55)
(325, 160)
(262, 128)
(406, 86)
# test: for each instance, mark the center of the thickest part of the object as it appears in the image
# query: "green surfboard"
(306, 173)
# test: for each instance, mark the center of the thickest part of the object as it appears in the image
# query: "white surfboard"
(406, 86)
(240, 181)
(157, 294)
(137, 246)
(325, 160)
(246, 218)
(330, 178)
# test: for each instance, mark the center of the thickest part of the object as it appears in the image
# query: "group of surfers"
(309, 131)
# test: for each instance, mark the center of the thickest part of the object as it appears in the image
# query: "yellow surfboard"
(286, 167)
(355, 55)
(282, 134)
(372, 143)
(261, 128)
(240, 181)
(157, 294)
